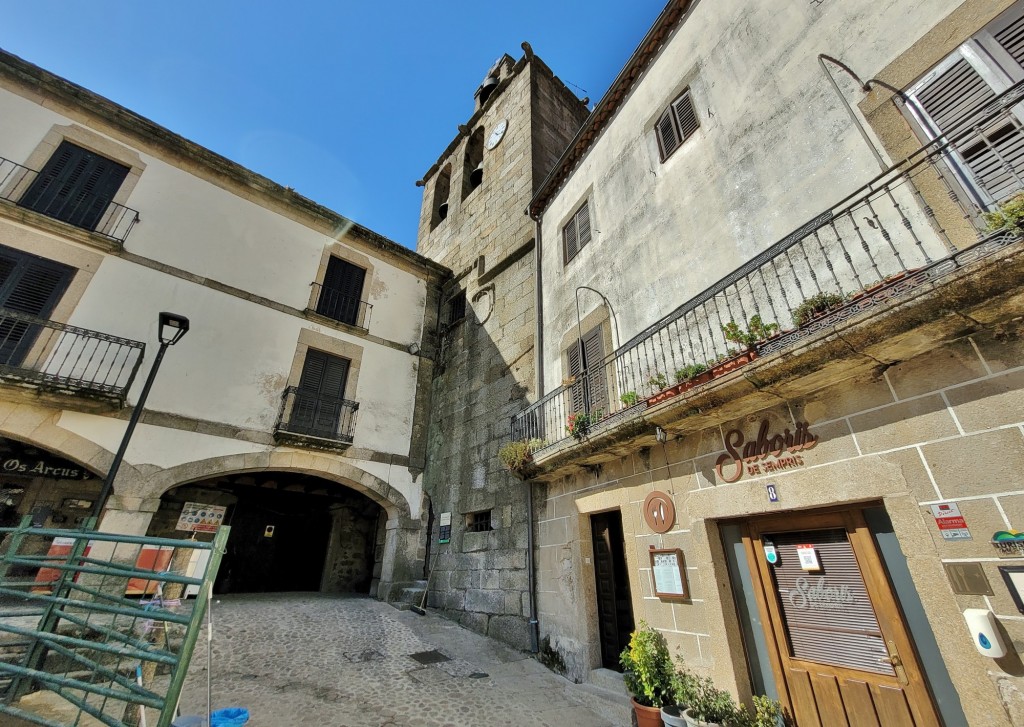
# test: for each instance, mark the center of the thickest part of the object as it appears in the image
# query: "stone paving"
(312, 659)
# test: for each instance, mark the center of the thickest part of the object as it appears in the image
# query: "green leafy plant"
(814, 305)
(756, 330)
(684, 685)
(648, 667)
(767, 713)
(516, 455)
(711, 704)
(578, 423)
(1009, 216)
(629, 398)
(689, 371)
(731, 353)
(657, 381)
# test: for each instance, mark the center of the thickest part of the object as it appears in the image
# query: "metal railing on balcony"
(57, 355)
(342, 308)
(312, 414)
(113, 220)
(876, 244)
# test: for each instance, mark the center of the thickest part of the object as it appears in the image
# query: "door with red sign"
(841, 653)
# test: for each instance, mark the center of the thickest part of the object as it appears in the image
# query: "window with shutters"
(31, 286)
(341, 292)
(577, 232)
(585, 358)
(319, 399)
(677, 124)
(988, 163)
(76, 186)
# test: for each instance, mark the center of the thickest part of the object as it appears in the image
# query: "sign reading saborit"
(782, 447)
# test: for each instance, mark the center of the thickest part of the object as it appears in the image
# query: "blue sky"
(348, 103)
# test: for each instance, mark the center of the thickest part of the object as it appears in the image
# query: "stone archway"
(402, 556)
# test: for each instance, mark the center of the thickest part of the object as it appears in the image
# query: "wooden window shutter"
(324, 374)
(1012, 39)
(685, 114)
(76, 186)
(29, 285)
(995, 156)
(583, 225)
(668, 139)
(593, 355)
(341, 291)
(569, 237)
(575, 372)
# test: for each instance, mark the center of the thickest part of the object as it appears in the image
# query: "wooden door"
(841, 652)
(614, 605)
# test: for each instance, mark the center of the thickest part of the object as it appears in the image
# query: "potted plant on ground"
(648, 674)
(709, 706)
(684, 685)
(767, 713)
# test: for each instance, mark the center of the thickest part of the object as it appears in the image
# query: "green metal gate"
(75, 649)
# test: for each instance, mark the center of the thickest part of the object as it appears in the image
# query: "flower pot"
(692, 721)
(672, 715)
(733, 363)
(646, 716)
(702, 378)
(666, 393)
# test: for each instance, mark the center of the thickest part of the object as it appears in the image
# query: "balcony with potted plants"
(887, 273)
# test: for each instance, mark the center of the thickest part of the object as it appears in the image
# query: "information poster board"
(199, 518)
(669, 572)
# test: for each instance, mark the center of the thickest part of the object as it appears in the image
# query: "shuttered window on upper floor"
(341, 291)
(32, 286)
(986, 159)
(677, 124)
(76, 186)
(576, 232)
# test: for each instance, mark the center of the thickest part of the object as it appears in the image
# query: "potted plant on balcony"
(578, 424)
(648, 673)
(816, 306)
(518, 455)
(1009, 216)
(629, 398)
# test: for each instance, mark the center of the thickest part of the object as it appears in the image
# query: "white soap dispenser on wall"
(985, 632)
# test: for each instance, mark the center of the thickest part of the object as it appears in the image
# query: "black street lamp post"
(172, 328)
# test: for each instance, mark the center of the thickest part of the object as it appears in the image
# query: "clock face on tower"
(497, 134)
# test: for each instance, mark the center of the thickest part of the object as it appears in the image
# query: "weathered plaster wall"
(775, 148)
(947, 426)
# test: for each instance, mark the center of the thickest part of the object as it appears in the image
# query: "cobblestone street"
(310, 659)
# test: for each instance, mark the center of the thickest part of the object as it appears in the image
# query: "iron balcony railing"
(51, 354)
(877, 243)
(312, 414)
(343, 308)
(114, 221)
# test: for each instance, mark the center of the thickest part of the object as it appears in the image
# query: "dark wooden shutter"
(571, 242)
(576, 402)
(995, 155)
(685, 114)
(318, 401)
(76, 186)
(583, 225)
(1012, 39)
(668, 139)
(593, 361)
(341, 291)
(30, 285)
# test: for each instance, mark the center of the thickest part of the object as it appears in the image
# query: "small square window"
(478, 522)
(676, 125)
(456, 309)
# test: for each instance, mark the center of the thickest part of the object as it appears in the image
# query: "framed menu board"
(669, 573)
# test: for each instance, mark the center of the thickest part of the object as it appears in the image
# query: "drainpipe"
(534, 623)
(538, 347)
(849, 109)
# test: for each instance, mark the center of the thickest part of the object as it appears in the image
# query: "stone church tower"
(473, 221)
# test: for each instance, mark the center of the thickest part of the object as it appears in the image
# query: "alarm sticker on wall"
(770, 553)
(808, 557)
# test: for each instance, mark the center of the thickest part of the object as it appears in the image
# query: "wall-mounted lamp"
(661, 435)
(414, 348)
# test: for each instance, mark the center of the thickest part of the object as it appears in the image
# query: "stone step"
(409, 595)
(607, 684)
